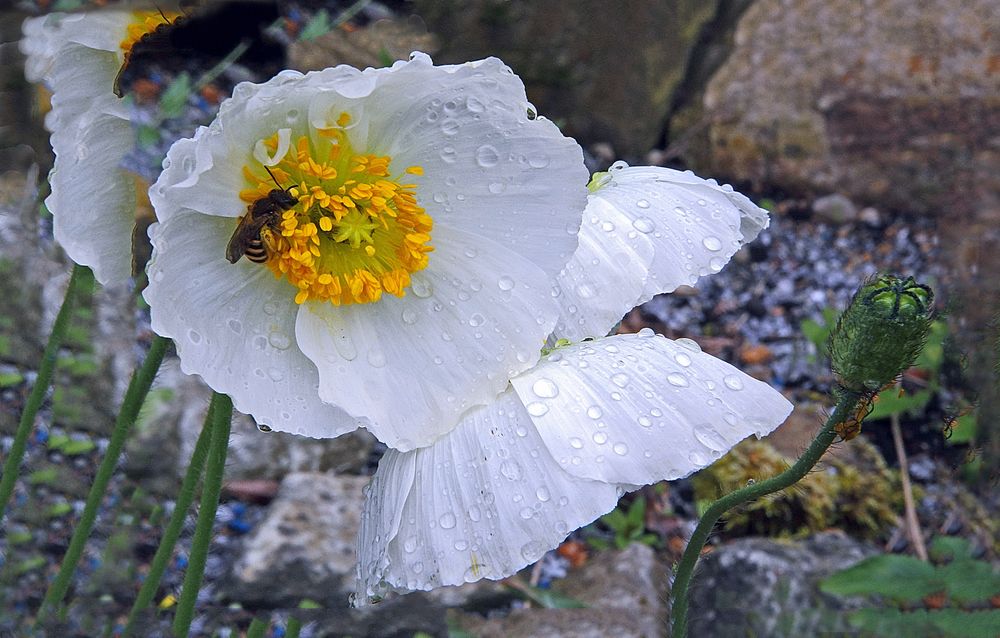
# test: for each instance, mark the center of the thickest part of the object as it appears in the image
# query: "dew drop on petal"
(376, 358)
(576, 443)
(447, 520)
(505, 283)
(644, 225)
(711, 243)
(448, 155)
(511, 470)
(194, 337)
(542, 494)
(409, 316)
(538, 160)
(279, 340)
(711, 439)
(526, 513)
(690, 344)
(621, 379)
(236, 325)
(421, 287)
(644, 421)
(545, 388)
(697, 458)
(487, 156)
(532, 551)
(537, 408)
(595, 412)
(677, 380)
(682, 359)
(733, 382)
(642, 203)
(716, 264)
(410, 545)
(600, 438)
(620, 449)
(477, 320)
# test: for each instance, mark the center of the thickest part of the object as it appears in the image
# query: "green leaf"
(76, 447)
(29, 564)
(10, 379)
(549, 599)
(147, 136)
(956, 623)
(897, 577)
(636, 516)
(948, 548)
(59, 509)
(615, 520)
(19, 537)
(889, 403)
(45, 476)
(57, 441)
(963, 429)
(175, 97)
(970, 581)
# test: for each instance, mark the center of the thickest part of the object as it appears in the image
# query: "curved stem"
(78, 280)
(173, 530)
(845, 409)
(217, 449)
(136, 393)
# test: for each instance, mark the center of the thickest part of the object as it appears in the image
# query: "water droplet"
(698, 459)
(421, 287)
(616, 396)
(487, 156)
(712, 243)
(526, 513)
(449, 155)
(279, 340)
(236, 325)
(475, 513)
(538, 160)
(505, 283)
(449, 126)
(682, 359)
(644, 421)
(498, 187)
(586, 291)
(619, 165)
(690, 344)
(621, 379)
(607, 226)
(716, 264)
(576, 443)
(477, 320)
(276, 374)
(376, 358)
(642, 203)
(474, 105)
(711, 439)
(545, 388)
(542, 494)
(447, 520)
(595, 412)
(733, 382)
(264, 428)
(532, 551)
(600, 438)
(410, 545)
(461, 545)
(677, 380)
(511, 470)
(537, 408)
(409, 316)
(194, 337)
(657, 412)
(620, 449)
(644, 225)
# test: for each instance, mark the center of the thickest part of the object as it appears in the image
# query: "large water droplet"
(505, 283)
(477, 320)
(194, 337)
(690, 344)
(644, 225)
(447, 520)
(575, 443)
(421, 287)
(542, 494)
(410, 545)
(677, 380)
(526, 513)
(537, 408)
(711, 243)
(511, 470)
(545, 388)
(532, 551)
(698, 459)
(682, 359)
(487, 156)
(279, 340)
(733, 382)
(642, 203)
(409, 316)
(595, 412)
(620, 449)
(600, 438)
(449, 155)
(621, 379)
(449, 126)
(236, 325)
(538, 160)
(711, 439)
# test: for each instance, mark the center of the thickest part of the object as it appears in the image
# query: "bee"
(263, 214)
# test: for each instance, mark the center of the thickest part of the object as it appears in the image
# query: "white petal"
(482, 502)
(234, 324)
(488, 169)
(677, 225)
(93, 199)
(605, 276)
(475, 317)
(636, 409)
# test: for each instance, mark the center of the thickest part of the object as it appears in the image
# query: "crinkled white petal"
(234, 324)
(413, 365)
(483, 502)
(93, 200)
(514, 181)
(637, 409)
(693, 226)
(500, 229)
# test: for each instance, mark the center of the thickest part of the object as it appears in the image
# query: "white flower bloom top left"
(373, 247)
(78, 57)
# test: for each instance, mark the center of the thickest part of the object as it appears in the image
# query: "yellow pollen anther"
(356, 230)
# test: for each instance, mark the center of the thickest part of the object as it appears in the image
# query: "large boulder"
(886, 101)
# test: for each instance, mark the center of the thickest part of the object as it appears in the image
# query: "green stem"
(136, 393)
(257, 628)
(80, 278)
(218, 447)
(845, 409)
(173, 531)
(293, 628)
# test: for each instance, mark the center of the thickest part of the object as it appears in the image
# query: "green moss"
(861, 496)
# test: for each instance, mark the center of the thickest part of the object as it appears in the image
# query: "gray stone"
(834, 209)
(602, 72)
(762, 587)
(305, 547)
(633, 579)
(560, 623)
(886, 101)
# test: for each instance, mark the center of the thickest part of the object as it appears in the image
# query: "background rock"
(886, 101)
(760, 587)
(304, 548)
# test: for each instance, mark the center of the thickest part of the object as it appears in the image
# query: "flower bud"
(881, 332)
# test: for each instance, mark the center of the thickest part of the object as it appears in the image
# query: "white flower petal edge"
(483, 502)
(92, 199)
(551, 454)
(505, 221)
(646, 231)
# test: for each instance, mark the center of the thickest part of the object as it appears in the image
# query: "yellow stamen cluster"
(144, 22)
(356, 230)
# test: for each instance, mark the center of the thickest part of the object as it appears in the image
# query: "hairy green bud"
(881, 332)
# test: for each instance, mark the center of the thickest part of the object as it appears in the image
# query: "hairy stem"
(136, 393)
(846, 408)
(216, 465)
(80, 278)
(173, 531)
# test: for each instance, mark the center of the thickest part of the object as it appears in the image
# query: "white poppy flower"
(402, 277)
(77, 56)
(646, 231)
(552, 453)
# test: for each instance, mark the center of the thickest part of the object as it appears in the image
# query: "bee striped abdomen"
(256, 251)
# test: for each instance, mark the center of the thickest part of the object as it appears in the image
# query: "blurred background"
(869, 128)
